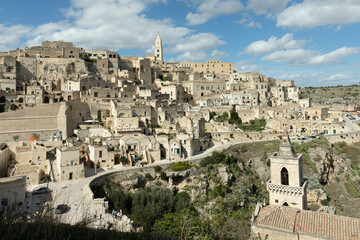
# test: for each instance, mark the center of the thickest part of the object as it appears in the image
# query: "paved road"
(351, 126)
(74, 193)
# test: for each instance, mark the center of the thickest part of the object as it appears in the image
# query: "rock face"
(174, 174)
(138, 182)
(225, 175)
(316, 195)
(326, 168)
(327, 209)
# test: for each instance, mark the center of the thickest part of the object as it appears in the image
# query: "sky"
(314, 42)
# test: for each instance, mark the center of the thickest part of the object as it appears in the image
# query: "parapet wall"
(344, 137)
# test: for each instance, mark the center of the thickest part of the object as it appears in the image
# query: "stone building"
(287, 186)
(287, 217)
(215, 67)
(158, 49)
(68, 164)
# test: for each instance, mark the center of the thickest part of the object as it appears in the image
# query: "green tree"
(234, 118)
(16, 137)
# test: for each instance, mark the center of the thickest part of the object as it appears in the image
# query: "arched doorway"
(46, 99)
(117, 159)
(69, 98)
(284, 176)
(21, 100)
(96, 94)
(99, 114)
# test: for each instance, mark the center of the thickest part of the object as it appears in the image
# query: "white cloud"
(197, 56)
(308, 57)
(122, 24)
(212, 8)
(110, 24)
(274, 43)
(313, 13)
(247, 66)
(197, 42)
(263, 6)
(315, 79)
(248, 22)
(338, 77)
(11, 36)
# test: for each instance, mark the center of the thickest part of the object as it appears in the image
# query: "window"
(284, 177)
(100, 154)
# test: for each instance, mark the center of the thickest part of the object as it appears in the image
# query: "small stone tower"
(158, 49)
(287, 186)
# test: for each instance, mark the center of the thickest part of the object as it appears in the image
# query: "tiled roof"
(277, 217)
(316, 224)
(328, 226)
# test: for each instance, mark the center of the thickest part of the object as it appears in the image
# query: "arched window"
(285, 204)
(96, 94)
(284, 177)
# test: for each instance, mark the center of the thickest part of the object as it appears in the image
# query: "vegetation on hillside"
(218, 210)
(254, 125)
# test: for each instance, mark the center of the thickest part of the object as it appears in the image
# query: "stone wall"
(4, 162)
(345, 137)
(44, 120)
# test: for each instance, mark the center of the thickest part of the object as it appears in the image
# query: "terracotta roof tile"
(278, 217)
(311, 223)
(329, 226)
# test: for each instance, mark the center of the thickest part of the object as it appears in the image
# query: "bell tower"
(158, 49)
(287, 186)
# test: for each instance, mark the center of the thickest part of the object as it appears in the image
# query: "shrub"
(220, 190)
(158, 169)
(180, 166)
(123, 160)
(13, 107)
(148, 176)
(163, 175)
(324, 202)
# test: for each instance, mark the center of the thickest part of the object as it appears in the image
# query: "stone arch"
(69, 98)
(121, 115)
(61, 99)
(117, 159)
(46, 99)
(96, 94)
(110, 56)
(284, 176)
(21, 100)
(285, 204)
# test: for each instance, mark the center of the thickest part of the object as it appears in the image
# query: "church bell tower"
(158, 49)
(287, 186)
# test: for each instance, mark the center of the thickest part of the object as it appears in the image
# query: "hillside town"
(69, 114)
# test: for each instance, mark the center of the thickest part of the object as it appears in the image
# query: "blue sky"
(314, 42)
